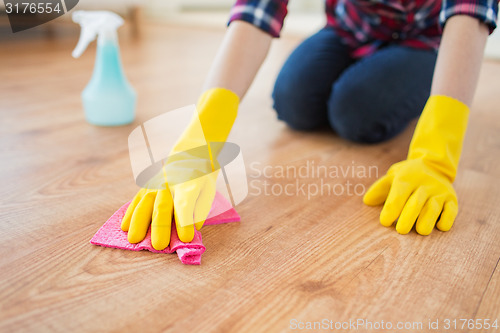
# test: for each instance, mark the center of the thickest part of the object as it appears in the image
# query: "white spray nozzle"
(93, 23)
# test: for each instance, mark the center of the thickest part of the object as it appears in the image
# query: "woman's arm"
(239, 58)
(459, 58)
(419, 191)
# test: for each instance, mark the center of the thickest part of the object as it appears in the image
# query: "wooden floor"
(290, 260)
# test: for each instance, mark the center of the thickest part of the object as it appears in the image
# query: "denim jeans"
(364, 100)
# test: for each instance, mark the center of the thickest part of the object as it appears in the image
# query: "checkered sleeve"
(267, 15)
(485, 11)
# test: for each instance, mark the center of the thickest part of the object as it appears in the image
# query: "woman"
(374, 67)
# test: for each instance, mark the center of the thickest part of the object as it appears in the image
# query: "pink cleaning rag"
(111, 234)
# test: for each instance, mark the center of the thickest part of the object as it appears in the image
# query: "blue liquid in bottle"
(108, 99)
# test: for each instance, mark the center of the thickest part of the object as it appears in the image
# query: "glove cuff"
(217, 111)
(439, 135)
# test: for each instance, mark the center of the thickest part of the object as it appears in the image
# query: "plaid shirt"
(367, 25)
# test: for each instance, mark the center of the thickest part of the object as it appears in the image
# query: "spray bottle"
(108, 99)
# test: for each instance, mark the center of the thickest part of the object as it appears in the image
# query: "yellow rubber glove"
(420, 189)
(189, 176)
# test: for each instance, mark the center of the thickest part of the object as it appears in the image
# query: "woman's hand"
(185, 186)
(419, 190)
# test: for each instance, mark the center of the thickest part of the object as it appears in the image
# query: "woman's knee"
(357, 113)
(304, 83)
(378, 96)
(295, 105)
